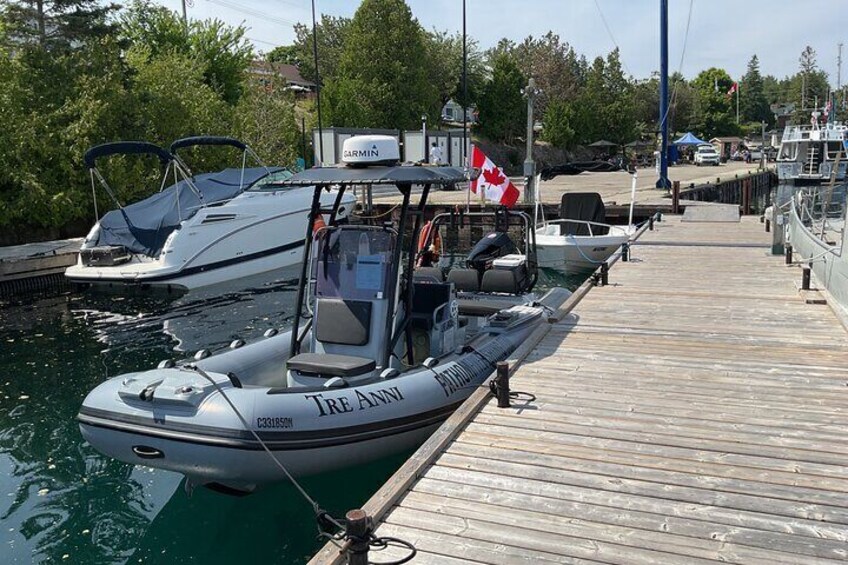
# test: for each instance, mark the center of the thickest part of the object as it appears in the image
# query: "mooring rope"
(323, 518)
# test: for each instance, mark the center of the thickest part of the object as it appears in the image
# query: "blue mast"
(663, 181)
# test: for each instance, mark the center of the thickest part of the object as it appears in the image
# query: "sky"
(722, 33)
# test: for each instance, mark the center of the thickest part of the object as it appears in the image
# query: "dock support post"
(651, 223)
(604, 273)
(788, 253)
(805, 277)
(675, 197)
(358, 528)
(625, 250)
(502, 384)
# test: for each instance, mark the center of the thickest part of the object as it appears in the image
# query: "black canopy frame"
(403, 178)
(216, 141)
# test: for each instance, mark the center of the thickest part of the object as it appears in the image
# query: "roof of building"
(289, 73)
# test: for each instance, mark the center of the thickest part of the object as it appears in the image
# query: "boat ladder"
(813, 160)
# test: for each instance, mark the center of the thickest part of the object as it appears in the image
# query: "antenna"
(317, 86)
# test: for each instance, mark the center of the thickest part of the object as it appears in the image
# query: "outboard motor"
(493, 245)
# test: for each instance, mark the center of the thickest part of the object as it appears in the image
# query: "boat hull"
(175, 419)
(575, 254)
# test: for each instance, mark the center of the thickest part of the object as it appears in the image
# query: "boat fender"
(166, 364)
(389, 373)
(202, 354)
(428, 254)
(270, 333)
(236, 343)
(430, 362)
(335, 382)
(318, 224)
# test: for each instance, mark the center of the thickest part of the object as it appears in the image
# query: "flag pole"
(737, 103)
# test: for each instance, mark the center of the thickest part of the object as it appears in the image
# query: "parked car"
(706, 155)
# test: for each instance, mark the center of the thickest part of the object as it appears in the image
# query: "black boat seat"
(428, 274)
(503, 281)
(469, 307)
(331, 364)
(465, 280)
(427, 297)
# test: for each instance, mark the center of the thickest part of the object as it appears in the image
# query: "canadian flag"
(734, 88)
(492, 183)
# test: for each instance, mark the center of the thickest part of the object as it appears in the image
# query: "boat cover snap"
(331, 364)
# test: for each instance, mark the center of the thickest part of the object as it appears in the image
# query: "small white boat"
(580, 239)
(378, 356)
(202, 230)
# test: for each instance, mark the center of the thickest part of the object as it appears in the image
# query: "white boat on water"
(580, 239)
(379, 353)
(808, 153)
(203, 229)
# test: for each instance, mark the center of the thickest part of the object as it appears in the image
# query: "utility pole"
(763, 147)
(663, 181)
(530, 92)
(185, 15)
(839, 75)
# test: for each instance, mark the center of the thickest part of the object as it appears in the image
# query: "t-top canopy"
(125, 148)
(206, 140)
(689, 139)
(404, 174)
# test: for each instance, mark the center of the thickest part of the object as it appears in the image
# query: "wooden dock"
(694, 410)
(32, 265)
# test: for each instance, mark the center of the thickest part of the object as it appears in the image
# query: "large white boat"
(808, 153)
(204, 229)
(378, 355)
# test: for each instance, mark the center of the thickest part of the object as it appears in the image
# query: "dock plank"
(693, 410)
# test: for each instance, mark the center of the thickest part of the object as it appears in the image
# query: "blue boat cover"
(143, 227)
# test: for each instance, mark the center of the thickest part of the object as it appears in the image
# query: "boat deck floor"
(693, 410)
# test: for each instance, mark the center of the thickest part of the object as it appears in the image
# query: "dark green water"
(63, 502)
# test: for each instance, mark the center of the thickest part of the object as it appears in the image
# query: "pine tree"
(502, 109)
(753, 105)
(54, 23)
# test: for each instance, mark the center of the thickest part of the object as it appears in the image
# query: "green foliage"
(332, 35)
(54, 24)
(382, 79)
(288, 54)
(605, 108)
(502, 109)
(753, 105)
(266, 117)
(444, 55)
(221, 50)
(558, 120)
(715, 111)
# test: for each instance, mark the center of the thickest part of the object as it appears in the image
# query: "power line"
(612, 37)
(251, 12)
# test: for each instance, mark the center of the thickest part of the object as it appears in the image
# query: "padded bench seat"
(470, 307)
(331, 364)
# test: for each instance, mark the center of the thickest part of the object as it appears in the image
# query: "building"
(452, 113)
(726, 146)
(267, 72)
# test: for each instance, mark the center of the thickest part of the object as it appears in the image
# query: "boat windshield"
(267, 183)
(353, 262)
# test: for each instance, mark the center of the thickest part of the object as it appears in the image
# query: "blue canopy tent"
(689, 139)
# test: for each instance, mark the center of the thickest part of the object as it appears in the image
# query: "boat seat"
(465, 280)
(331, 364)
(428, 274)
(343, 322)
(468, 307)
(427, 299)
(501, 280)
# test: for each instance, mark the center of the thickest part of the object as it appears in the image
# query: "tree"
(502, 109)
(222, 51)
(332, 36)
(382, 80)
(558, 129)
(288, 54)
(753, 105)
(265, 119)
(714, 113)
(444, 53)
(605, 107)
(551, 62)
(53, 24)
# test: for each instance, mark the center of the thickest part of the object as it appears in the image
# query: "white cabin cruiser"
(379, 354)
(580, 239)
(202, 230)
